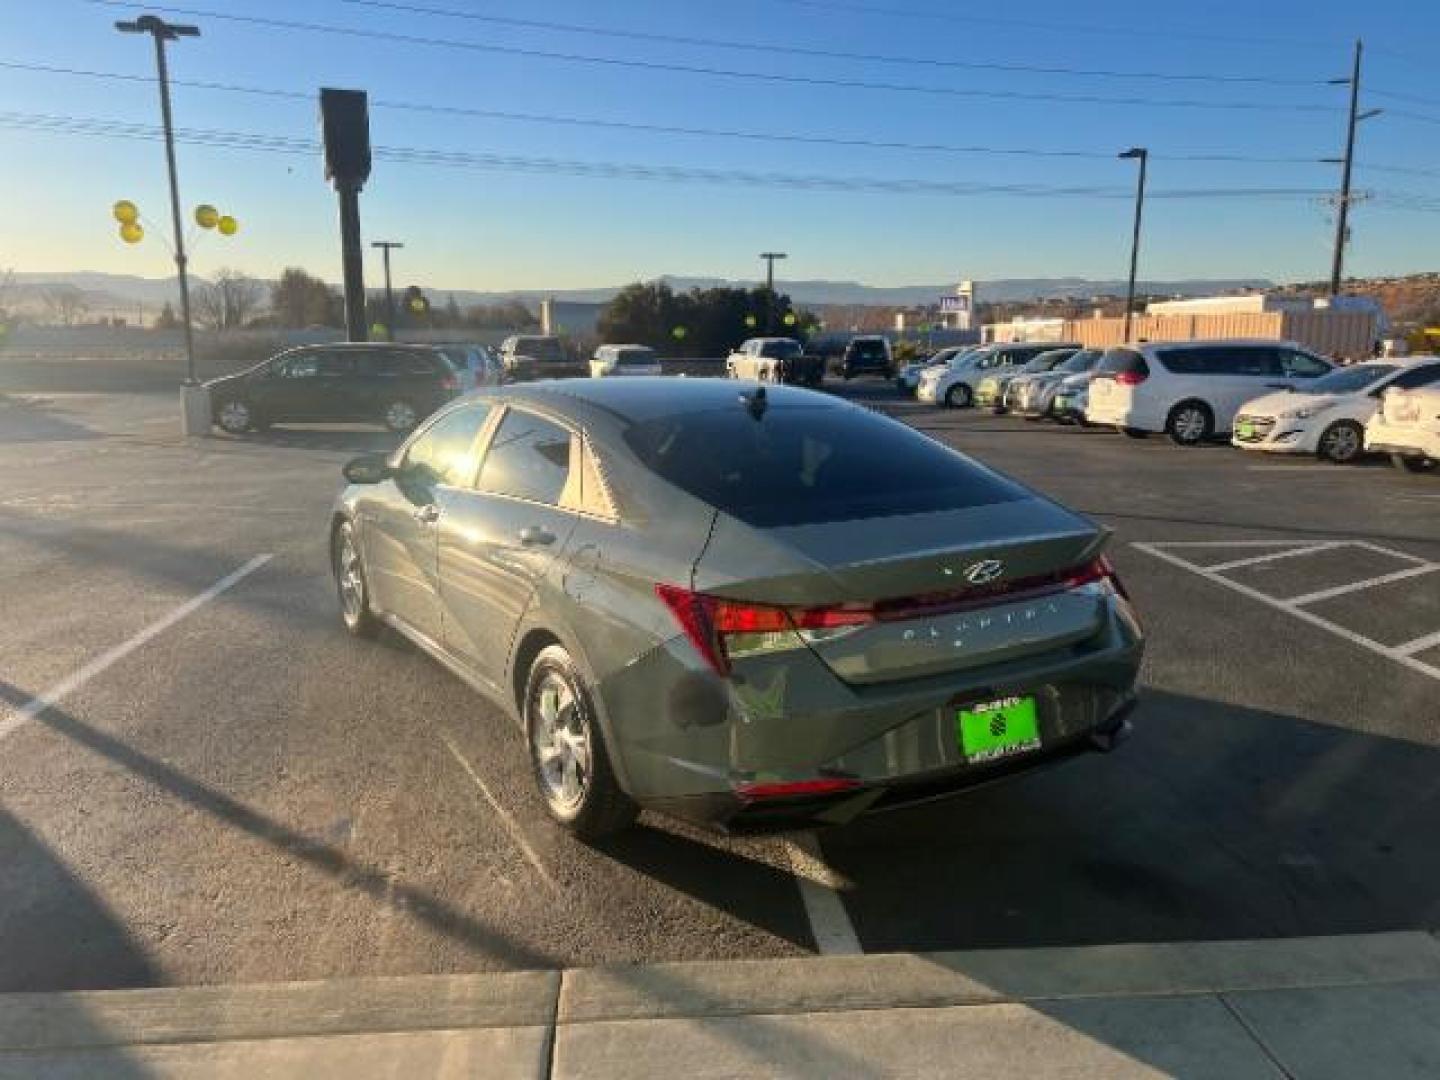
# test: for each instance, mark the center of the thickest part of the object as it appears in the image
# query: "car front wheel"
(1342, 442)
(957, 396)
(568, 753)
(350, 585)
(234, 417)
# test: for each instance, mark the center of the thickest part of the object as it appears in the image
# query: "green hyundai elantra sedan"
(753, 607)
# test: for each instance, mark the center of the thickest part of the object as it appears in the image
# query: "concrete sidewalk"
(1307, 1008)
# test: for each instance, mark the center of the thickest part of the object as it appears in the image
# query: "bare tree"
(65, 304)
(229, 301)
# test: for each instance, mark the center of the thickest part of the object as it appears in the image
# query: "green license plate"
(1245, 429)
(991, 730)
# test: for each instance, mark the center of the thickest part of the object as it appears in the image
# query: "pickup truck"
(527, 357)
(775, 360)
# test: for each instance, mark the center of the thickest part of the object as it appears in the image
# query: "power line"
(1393, 95)
(668, 129)
(829, 54)
(728, 73)
(969, 19)
(102, 127)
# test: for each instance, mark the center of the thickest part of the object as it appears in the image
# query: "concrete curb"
(90, 1019)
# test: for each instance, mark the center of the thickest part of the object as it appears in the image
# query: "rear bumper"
(732, 814)
(685, 740)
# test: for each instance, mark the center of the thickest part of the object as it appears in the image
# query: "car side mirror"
(367, 469)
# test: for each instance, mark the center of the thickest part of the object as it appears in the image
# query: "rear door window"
(1301, 365)
(806, 464)
(1126, 362)
(529, 458)
(1416, 378)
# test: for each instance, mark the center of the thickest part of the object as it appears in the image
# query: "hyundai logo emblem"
(984, 572)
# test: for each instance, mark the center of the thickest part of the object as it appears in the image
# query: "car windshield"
(634, 356)
(544, 350)
(1350, 380)
(783, 349)
(867, 350)
(807, 465)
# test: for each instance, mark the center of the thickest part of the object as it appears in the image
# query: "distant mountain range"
(126, 291)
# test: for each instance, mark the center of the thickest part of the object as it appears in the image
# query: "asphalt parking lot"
(204, 780)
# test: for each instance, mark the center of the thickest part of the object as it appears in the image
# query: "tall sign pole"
(1347, 163)
(345, 121)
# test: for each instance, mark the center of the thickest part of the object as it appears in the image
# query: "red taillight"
(1130, 378)
(693, 612)
(793, 788)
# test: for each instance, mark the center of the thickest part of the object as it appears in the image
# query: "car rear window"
(1122, 362)
(803, 465)
(868, 350)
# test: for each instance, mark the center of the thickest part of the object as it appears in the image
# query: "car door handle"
(428, 514)
(536, 536)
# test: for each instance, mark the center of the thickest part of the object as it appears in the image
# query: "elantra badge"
(984, 572)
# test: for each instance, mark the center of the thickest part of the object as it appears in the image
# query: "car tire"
(1405, 463)
(1342, 442)
(958, 396)
(1190, 423)
(399, 416)
(567, 751)
(234, 417)
(1136, 433)
(352, 588)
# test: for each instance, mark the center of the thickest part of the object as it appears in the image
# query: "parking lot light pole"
(770, 257)
(386, 246)
(1143, 156)
(162, 32)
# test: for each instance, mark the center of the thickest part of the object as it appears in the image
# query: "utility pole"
(386, 246)
(770, 257)
(1143, 156)
(162, 32)
(1342, 216)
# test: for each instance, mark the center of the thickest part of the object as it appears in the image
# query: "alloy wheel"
(350, 577)
(561, 734)
(1189, 424)
(1341, 442)
(234, 417)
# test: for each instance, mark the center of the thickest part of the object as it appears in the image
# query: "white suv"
(954, 384)
(1191, 390)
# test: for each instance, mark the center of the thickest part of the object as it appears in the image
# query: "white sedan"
(1329, 415)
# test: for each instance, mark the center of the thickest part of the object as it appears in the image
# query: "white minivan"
(1191, 390)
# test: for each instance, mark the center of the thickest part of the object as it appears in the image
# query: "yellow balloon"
(789, 318)
(125, 211)
(131, 232)
(206, 216)
(228, 226)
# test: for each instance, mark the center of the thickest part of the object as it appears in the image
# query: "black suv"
(394, 385)
(866, 356)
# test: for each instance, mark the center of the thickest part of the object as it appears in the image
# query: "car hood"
(227, 380)
(1275, 404)
(1078, 381)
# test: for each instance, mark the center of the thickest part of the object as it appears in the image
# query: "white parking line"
(1390, 652)
(1356, 586)
(819, 891)
(511, 825)
(1419, 645)
(38, 704)
(1289, 553)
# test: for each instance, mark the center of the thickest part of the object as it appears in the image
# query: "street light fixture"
(1135, 153)
(161, 32)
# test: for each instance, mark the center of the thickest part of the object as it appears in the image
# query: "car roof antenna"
(755, 403)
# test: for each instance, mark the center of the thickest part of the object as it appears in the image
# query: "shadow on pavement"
(34, 419)
(1215, 821)
(81, 953)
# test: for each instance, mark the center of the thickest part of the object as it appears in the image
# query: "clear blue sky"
(486, 229)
